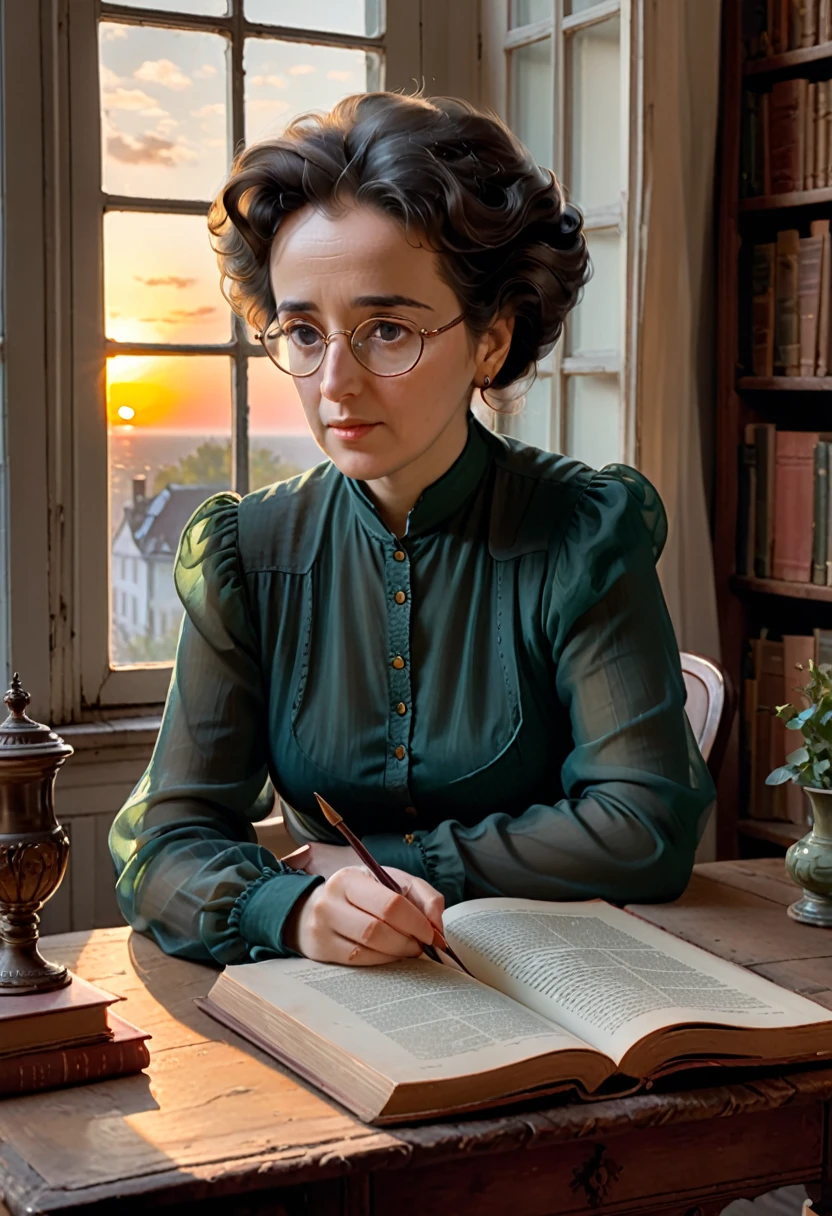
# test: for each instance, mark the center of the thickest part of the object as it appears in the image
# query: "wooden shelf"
(775, 831)
(776, 202)
(775, 586)
(785, 384)
(788, 59)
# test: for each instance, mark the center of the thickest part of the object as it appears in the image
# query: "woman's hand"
(351, 918)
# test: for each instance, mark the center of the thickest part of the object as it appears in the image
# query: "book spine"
(754, 17)
(71, 1066)
(764, 499)
(809, 28)
(794, 505)
(822, 102)
(795, 28)
(749, 144)
(762, 309)
(820, 521)
(787, 312)
(823, 647)
(785, 137)
(810, 115)
(779, 26)
(829, 515)
(809, 276)
(745, 509)
(820, 228)
(823, 23)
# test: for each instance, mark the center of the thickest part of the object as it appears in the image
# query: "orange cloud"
(147, 149)
(164, 72)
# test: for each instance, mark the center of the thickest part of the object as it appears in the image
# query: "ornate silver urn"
(34, 848)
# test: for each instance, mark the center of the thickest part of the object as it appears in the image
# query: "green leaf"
(799, 757)
(820, 767)
(780, 776)
(786, 712)
(793, 724)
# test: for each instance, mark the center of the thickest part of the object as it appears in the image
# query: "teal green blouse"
(493, 701)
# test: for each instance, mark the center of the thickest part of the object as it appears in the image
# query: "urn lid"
(21, 736)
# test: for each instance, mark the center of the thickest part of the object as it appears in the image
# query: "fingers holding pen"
(395, 910)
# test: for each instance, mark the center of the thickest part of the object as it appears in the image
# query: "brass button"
(401, 708)
(398, 662)
(409, 838)
(410, 810)
(399, 555)
(400, 597)
(400, 752)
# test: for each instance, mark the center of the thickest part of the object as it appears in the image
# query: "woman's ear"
(493, 349)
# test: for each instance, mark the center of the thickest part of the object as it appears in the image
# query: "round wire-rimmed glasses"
(385, 346)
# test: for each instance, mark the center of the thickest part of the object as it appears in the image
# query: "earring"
(486, 380)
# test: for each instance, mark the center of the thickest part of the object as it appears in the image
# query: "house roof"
(157, 529)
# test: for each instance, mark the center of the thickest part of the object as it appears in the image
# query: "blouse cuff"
(444, 864)
(396, 851)
(263, 908)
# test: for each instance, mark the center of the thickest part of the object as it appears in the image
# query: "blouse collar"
(439, 500)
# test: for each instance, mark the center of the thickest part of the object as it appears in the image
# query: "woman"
(459, 640)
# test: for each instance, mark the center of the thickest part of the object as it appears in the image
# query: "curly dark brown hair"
(455, 178)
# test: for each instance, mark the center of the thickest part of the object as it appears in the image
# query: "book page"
(609, 977)
(409, 1020)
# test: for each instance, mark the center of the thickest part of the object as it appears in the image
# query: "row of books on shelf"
(784, 509)
(771, 27)
(791, 303)
(786, 138)
(773, 676)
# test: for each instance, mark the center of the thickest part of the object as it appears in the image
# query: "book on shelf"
(809, 283)
(578, 997)
(787, 304)
(771, 27)
(784, 507)
(124, 1053)
(762, 308)
(786, 135)
(774, 675)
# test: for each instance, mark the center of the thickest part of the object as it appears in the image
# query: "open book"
(566, 996)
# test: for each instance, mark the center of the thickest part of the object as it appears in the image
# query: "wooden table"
(216, 1126)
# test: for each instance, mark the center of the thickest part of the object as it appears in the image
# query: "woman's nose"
(340, 371)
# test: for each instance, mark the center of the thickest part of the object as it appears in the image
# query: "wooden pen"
(382, 876)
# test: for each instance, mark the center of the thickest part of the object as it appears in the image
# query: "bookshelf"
(749, 604)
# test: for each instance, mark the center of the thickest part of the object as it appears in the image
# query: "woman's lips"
(353, 431)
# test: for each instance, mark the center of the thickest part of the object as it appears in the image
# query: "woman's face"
(336, 271)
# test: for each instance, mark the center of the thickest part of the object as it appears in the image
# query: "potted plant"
(809, 861)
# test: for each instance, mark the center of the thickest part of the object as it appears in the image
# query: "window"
(192, 405)
(558, 70)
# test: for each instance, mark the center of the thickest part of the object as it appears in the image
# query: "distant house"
(144, 600)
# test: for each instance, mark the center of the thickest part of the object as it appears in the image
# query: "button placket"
(397, 574)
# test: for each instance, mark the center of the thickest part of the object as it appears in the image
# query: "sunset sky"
(165, 135)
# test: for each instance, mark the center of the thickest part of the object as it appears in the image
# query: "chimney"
(139, 498)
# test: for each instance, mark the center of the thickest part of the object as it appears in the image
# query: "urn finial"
(17, 698)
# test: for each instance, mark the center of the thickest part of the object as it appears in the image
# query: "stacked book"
(791, 303)
(771, 27)
(786, 138)
(65, 1037)
(784, 509)
(775, 670)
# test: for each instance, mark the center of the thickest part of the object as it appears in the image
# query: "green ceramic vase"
(809, 864)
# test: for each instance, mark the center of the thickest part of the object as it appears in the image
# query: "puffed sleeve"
(189, 869)
(637, 792)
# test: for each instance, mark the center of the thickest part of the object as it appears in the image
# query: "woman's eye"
(304, 335)
(388, 331)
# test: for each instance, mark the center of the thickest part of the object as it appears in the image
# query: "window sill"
(112, 734)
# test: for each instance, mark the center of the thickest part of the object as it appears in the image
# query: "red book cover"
(56, 1067)
(794, 505)
(786, 135)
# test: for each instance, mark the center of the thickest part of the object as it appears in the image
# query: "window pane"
(280, 442)
(337, 16)
(532, 423)
(597, 175)
(526, 12)
(596, 323)
(578, 6)
(593, 419)
(161, 280)
(163, 110)
(532, 98)
(284, 79)
(170, 449)
(203, 8)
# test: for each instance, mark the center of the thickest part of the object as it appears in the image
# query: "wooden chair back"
(710, 707)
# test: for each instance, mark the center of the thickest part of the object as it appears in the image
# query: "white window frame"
(621, 216)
